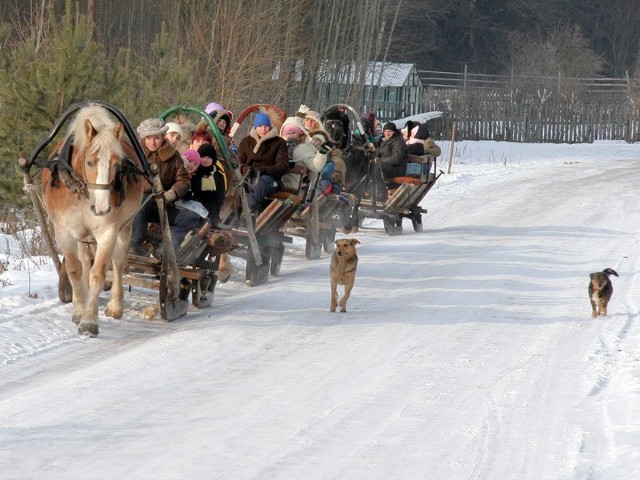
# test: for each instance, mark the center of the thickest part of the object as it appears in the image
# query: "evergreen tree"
(42, 75)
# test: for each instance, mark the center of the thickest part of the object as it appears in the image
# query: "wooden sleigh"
(260, 237)
(176, 275)
(405, 196)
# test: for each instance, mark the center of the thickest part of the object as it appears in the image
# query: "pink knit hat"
(292, 128)
(193, 156)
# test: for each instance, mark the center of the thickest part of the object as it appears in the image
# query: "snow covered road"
(468, 352)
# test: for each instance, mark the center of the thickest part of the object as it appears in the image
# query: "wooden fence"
(493, 107)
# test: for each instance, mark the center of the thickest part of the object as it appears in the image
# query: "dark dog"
(600, 291)
(343, 271)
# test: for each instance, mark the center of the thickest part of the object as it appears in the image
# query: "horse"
(91, 195)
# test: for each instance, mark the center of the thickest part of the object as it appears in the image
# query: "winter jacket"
(268, 153)
(393, 156)
(207, 185)
(173, 174)
(421, 143)
(340, 169)
(306, 154)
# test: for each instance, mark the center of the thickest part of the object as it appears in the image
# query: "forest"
(146, 56)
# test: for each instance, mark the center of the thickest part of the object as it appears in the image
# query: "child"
(193, 161)
(332, 175)
(208, 182)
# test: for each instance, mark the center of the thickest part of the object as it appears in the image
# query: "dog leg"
(347, 294)
(594, 311)
(334, 296)
(603, 308)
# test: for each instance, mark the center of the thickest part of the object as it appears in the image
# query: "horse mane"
(102, 123)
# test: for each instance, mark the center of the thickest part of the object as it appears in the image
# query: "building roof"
(382, 74)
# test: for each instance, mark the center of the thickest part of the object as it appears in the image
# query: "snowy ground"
(468, 351)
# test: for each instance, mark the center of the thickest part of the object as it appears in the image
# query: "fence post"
(464, 79)
(453, 142)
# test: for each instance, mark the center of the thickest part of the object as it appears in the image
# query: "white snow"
(468, 351)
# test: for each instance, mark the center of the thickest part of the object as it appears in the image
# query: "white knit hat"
(174, 127)
(152, 126)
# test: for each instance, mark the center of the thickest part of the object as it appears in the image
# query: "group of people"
(396, 145)
(190, 169)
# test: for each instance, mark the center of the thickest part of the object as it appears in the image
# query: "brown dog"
(343, 271)
(600, 291)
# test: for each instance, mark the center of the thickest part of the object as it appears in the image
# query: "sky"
(468, 350)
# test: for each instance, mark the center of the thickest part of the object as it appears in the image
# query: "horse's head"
(98, 156)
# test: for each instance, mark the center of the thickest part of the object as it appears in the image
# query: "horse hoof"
(113, 313)
(88, 330)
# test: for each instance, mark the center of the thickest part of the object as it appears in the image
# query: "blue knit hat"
(261, 119)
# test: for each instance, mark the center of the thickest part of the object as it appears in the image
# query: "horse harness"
(61, 170)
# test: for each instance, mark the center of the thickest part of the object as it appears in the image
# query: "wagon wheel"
(202, 291)
(392, 226)
(276, 259)
(65, 290)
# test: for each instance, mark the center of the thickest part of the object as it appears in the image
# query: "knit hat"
(390, 126)
(213, 107)
(174, 127)
(207, 150)
(422, 133)
(261, 119)
(291, 128)
(152, 126)
(193, 156)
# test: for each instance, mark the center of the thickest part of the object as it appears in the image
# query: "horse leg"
(118, 260)
(105, 246)
(74, 269)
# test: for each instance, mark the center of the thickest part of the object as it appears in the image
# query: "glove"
(302, 110)
(170, 196)
(325, 147)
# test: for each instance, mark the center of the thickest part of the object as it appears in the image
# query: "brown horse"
(90, 198)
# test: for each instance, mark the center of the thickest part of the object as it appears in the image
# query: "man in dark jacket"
(175, 182)
(392, 153)
(264, 157)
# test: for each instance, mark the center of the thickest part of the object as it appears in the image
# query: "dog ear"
(354, 241)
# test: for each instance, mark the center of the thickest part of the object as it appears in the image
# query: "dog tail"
(610, 271)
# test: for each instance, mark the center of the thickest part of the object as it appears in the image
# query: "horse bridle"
(74, 181)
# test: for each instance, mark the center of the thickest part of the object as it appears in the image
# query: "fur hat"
(152, 126)
(174, 127)
(193, 156)
(207, 150)
(390, 126)
(313, 115)
(261, 119)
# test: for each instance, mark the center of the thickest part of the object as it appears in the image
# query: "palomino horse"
(91, 197)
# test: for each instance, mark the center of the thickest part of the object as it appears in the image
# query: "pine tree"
(40, 77)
